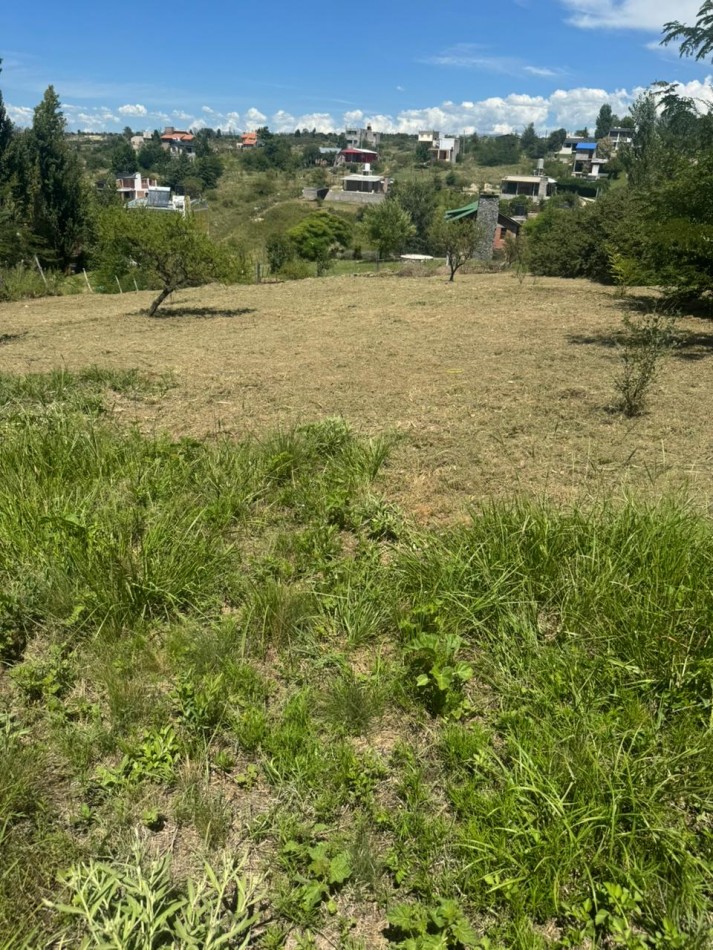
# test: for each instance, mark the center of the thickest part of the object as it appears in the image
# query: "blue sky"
(484, 65)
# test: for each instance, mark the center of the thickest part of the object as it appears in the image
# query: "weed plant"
(498, 735)
(646, 342)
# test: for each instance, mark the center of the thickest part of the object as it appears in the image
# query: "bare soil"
(497, 388)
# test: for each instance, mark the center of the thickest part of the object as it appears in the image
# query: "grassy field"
(378, 628)
(493, 387)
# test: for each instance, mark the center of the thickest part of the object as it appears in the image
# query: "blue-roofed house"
(587, 164)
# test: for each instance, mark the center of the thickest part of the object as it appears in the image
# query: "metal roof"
(465, 212)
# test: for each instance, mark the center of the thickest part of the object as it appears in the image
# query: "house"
(356, 156)
(528, 186)
(135, 186)
(248, 140)
(138, 141)
(178, 142)
(160, 198)
(568, 147)
(587, 164)
(358, 138)
(619, 137)
(442, 148)
(360, 189)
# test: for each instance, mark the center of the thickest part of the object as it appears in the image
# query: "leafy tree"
(280, 250)
(529, 141)
(697, 40)
(423, 153)
(170, 249)
(311, 155)
(318, 237)
(556, 139)
(643, 160)
(605, 120)
(123, 158)
(208, 168)
(677, 222)
(60, 216)
(152, 155)
(389, 227)
(501, 150)
(458, 240)
(418, 197)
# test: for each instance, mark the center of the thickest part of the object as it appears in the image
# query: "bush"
(23, 282)
(295, 270)
(646, 343)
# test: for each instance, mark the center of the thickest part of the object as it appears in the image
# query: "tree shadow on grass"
(690, 346)
(203, 313)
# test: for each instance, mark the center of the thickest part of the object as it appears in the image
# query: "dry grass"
(496, 387)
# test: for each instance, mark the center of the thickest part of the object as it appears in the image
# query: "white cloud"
(20, 115)
(137, 110)
(476, 56)
(253, 117)
(630, 14)
(568, 108)
(540, 71)
(473, 56)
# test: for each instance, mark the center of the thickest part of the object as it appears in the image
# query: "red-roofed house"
(178, 142)
(357, 156)
(248, 140)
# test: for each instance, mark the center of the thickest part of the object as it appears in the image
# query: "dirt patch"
(496, 387)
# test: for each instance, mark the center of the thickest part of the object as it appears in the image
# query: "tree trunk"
(166, 292)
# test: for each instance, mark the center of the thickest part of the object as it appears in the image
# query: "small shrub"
(295, 270)
(646, 343)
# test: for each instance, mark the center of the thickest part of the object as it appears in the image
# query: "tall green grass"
(519, 709)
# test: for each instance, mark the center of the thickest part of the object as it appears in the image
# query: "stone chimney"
(488, 210)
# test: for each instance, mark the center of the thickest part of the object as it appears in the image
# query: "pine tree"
(60, 203)
(5, 129)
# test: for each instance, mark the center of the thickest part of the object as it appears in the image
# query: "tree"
(389, 227)
(280, 251)
(423, 153)
(418, 197)
(318, 237)
(556, 139)
(123, 158)
(605, 120)
(311, 155)
(501, 150)
(168, 248)
(530, 142)
(5, 132)
(60, 216)
(208, 168)
(458, 240)
(697, 39)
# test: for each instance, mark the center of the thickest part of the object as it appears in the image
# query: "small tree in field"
(389, 227)
(458, 240)
(169, 249)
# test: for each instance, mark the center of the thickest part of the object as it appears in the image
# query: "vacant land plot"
(247, 701)
(496, 387)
